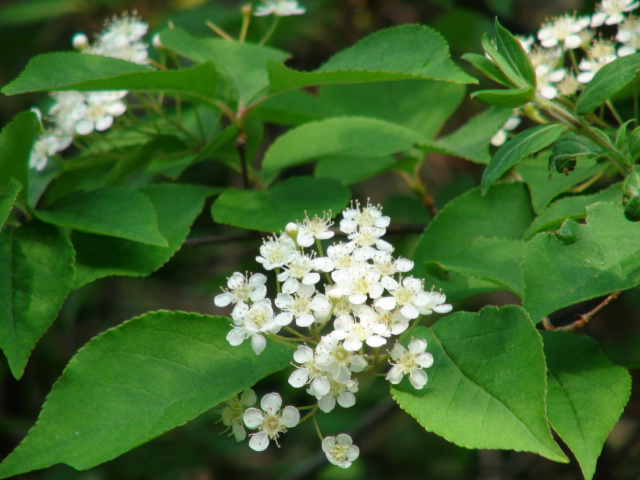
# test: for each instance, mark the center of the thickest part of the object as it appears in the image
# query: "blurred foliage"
(392, 444)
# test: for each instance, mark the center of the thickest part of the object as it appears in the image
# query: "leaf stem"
(272, 28)
(219, 31)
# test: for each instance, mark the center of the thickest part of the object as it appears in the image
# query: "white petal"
(290, 416)
(358, 363)
(258, 342)
(299, 377)
(386, 303)
(303, 354)
(444, 308)
(346, 399)
(357, 298)
(290, 285)
(376, 341)
(271, 403)
(84, 127)
(258, 293)
(252, 417)
(425, 360)
(305, 238)
(259, 441)
(222, 300)
(395, 375)
(236, 336)
(418, 378)
(320, 386)
(327, 403)
(410, 311)
(305, 319)
(352, 345)
(417, 346)
(284, 318)
(311, 278)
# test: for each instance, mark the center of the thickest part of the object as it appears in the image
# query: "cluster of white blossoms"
(343, 312)
(80, 113)
(574, 40)
(279, 8)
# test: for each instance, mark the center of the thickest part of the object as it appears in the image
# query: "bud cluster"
(342, 311)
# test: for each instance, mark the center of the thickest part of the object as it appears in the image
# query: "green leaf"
(571, 207)
(511, 48)
(472, 140)
(607, 81)
(535, 172)
(114, 211)
(9, 191)
(507, 98)
(338, 137)
(515, 150)
(604, 258)
(271, 209)
(502, 63)
(400, 102)
(36, 274)
(471, 222)
(586, 394)
(349, 170)
(16, 141)
(396, 53)
(572, 147)
(243, 65)
(135, 382)
(487, 385)
(85, 72)
(177, 206)
(486, 67)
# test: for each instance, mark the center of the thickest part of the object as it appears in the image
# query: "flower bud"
(80, 41)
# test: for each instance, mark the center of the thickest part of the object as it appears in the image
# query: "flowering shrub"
(110, 179)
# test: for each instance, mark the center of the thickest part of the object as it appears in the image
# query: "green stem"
(614, 112)
(274, 24)
(315, 424)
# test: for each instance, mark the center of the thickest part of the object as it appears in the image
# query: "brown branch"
(253, 235)
(582, 320)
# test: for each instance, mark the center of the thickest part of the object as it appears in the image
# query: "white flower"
(303, 306)
(341, 254)
(276, 251)
(355, 334)
(343, 393)
(611, 12)
(46, 146)
(355, 218)
(69, 108)
(299, 269)
(234, 410)
(435, 304)
(280, 8)
(102, 107)
(358, 282)
(309, 373)
(409, 296)
(316, 228)
(511, 124)
(629, 35)
(333, 358)
(569, 85)
(241, 289)
(251, 323)
(340, 450)
(269, 422)
(121, 39)
(412, 361)
(600, 53)
(563, 31)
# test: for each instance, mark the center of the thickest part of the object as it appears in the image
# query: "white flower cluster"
(358, 291)
(80, 113)
(279, 8)
(573, 39)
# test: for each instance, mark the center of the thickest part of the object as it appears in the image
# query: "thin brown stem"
(582, 320)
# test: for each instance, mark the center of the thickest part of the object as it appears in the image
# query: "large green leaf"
(521, 146)
(9, 191)
(243, 65)
(602, 257)
(421, 105)
(351, 170)
(338, 137)
(396, 53)
(458, 236)
(36, 274)
(115, 211)
(16, 141)
(607, 81)
(487, 386)
(80, 71)
(135, 382)
(573, 208)
(586, 394)
(176, 206)
(271, 209)
(472, 140)
(511, 48)
(544, 186)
